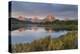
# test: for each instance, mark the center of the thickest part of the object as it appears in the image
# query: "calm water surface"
(23, 35)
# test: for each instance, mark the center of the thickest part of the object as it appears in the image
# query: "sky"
(41, 10)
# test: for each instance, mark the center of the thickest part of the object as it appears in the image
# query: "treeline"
(63, 25)
(15, 24)
(67, 22)
(68, 41)
(57, 24)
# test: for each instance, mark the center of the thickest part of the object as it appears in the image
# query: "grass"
(68, 41)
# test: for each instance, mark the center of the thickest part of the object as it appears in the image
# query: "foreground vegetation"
(68, 41)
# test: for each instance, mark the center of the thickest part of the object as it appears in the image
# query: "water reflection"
(28, 34)
(34, 29)
(21, 29)
(48, 29)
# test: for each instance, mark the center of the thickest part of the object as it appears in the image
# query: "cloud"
(44, 9)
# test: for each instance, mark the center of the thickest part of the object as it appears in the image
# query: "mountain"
(49, 18)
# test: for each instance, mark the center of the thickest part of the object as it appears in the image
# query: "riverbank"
(68, 41)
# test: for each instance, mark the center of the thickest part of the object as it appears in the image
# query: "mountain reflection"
(22, 29)
(34, 29)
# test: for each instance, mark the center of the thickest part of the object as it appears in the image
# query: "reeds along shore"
(68, 41)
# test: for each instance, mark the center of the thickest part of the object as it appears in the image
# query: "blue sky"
(41, 10)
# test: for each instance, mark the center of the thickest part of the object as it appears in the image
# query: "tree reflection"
(49, 29)
(22, 29)
(34, 28)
